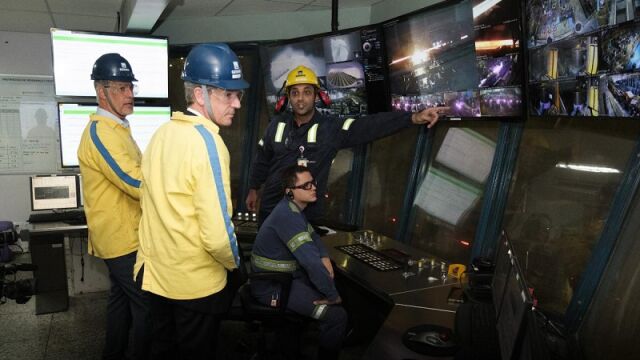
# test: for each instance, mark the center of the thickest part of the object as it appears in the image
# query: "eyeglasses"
(228, 96)
(307, 185)
(122, 89)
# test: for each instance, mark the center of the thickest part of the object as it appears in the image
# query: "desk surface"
(386, 283)
(419, 299)
(242, 228)
(53, 227)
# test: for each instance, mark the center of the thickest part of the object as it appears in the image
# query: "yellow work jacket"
(187, 239)
(110, 167)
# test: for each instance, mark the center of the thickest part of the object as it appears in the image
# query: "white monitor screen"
(54, 192)
(74, 54)
(73, 119)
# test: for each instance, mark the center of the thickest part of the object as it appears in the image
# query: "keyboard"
(369, 256)
(74, 217)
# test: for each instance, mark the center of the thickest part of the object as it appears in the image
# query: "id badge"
(302, 161)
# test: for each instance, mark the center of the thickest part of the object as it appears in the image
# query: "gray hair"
(97, 84)
(188, 91)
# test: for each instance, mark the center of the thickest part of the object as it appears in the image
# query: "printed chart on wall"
(28, 126)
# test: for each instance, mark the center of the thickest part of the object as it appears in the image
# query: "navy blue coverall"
(322, 138)
(287, 242)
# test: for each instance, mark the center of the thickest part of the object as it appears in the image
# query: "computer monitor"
(517, 302)
(73, 119)
(75, 52)
(52, 192)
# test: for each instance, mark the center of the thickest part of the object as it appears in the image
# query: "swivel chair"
(285, 324)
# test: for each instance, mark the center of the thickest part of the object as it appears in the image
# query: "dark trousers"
(185, 329)
(332, 319)
(127, 308)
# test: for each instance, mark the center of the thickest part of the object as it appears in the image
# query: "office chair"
(285, 324)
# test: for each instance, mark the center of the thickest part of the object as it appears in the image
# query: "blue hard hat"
(112, 67)
(214, 64)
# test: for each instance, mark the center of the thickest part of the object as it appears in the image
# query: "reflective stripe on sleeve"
(279, 132)
(109, 159)
(298, 240)
(319, 311)
(347, 123)
(222, 197)
(267, 264)
(312, 134)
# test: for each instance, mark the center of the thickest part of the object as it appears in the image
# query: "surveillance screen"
(499, 71)
(346, 66)
(568, 58)
(585, 57)
(621, 95)
(432, 52)
(444, 55)
(553, 20)
(501, 101)
(621, 49)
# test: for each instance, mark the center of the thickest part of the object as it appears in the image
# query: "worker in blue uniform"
(286, 242)
(308, 138)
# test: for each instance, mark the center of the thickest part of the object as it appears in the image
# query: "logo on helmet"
(123, 66)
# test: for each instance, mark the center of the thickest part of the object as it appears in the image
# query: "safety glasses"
(307, 186)
(228, 96)
(122, 88)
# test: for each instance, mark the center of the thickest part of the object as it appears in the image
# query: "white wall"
(23, 54)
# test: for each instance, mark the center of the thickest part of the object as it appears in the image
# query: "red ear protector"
(324, 97)
(283, 99)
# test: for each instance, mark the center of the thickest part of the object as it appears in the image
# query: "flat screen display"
(584, 58)
(73, 119)
(54, 192)
(444, 55)
(348, 65)
(74, 54)
(516, 303)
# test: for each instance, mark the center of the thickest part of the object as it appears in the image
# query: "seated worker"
(286, 242)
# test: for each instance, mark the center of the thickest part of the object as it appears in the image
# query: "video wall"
(347, 65)
(465, 56)
(583, 60)
(584, 57)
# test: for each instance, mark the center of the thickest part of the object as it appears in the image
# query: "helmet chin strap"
(106, 94)
(207, 103)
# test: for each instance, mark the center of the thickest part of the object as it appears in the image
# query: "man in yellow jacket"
(187, 239)
(110, 166)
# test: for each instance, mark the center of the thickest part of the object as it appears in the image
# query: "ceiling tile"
(199, 8)
(25, 5)
(302, 2)
(86, 23)
(315, 7)
(39, 22)
(346, 3)
(85, 7)
(248, 7)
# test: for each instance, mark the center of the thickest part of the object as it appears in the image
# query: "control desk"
(416, 288)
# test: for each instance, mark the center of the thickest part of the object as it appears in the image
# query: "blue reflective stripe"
(222, 197)
(109, 159)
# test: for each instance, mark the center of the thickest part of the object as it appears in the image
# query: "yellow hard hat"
(302, 75)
